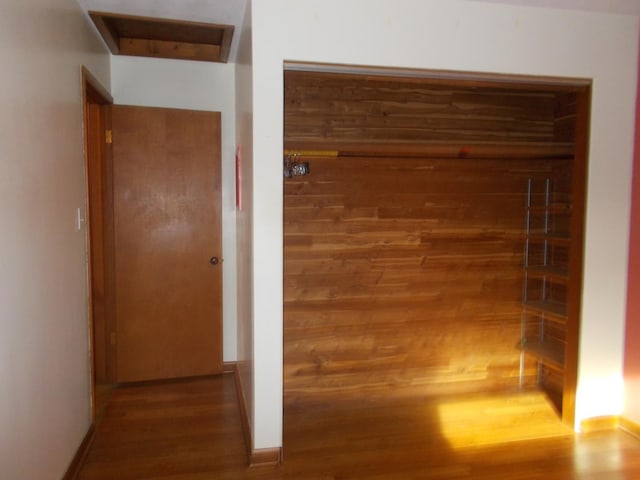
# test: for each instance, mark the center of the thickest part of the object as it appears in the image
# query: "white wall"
(463, 36)
(153, 82)
(44, 362)
(244, 135)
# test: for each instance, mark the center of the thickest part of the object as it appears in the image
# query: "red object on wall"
(238, 178)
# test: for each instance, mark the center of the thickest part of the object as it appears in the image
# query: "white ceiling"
(231, 12)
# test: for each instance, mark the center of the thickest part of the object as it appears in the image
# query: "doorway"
(109, 329)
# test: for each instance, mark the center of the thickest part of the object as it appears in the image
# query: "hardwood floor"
(190, 430)
(181, 430)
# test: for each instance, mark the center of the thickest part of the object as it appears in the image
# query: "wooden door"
(168, 243)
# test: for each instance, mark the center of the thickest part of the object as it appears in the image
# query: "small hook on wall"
(293, 167)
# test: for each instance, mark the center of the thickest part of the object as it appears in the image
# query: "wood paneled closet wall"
(406, 245)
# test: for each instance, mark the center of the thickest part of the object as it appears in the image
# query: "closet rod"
(437, 150)
(311, 153)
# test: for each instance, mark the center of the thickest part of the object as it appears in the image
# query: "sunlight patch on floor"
(489, 420)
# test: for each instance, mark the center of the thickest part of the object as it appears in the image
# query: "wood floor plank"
(191, 430)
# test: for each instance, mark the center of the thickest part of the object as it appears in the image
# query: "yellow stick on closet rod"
(312, 153)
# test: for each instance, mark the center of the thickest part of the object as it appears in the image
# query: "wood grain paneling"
(565, 117)
(405, 272)
(344, 107)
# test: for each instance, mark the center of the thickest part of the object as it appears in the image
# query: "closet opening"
(434, 245)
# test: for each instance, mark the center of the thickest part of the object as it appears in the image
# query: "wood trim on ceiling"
(446, 77)
(164, 38)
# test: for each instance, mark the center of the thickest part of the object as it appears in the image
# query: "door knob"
(214, 260)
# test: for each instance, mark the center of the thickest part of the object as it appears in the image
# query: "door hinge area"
(108, 137)
(112, 338)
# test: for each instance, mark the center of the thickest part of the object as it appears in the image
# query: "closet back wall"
(405, 273)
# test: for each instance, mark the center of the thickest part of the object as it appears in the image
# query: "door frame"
(95, 143)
